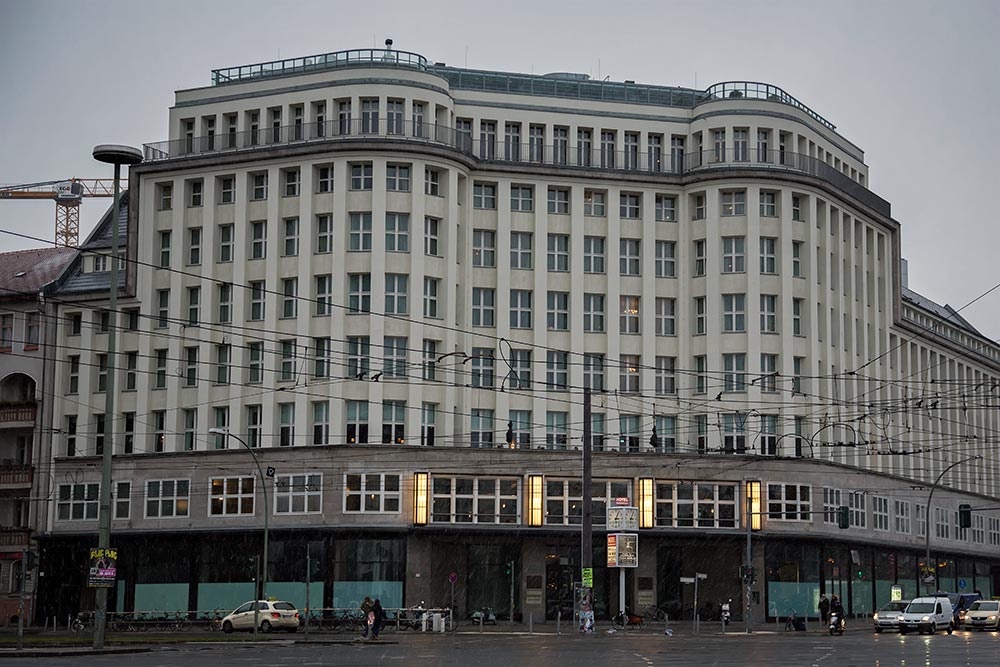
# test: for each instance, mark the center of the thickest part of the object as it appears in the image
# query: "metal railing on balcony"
(12, 537)
(753, 90)
(351, 58)
(301, 133)
(17, 413)
(11, 475)
(587, 155)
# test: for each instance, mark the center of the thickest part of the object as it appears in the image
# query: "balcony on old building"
(12, 539)
(17, 401)
(13, 476)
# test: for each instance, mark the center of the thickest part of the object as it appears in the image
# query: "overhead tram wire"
(335, 305)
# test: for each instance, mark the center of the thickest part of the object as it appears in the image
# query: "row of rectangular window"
(359, 236)
(361, 177)
(630, 255)
(630, 204)
(288, 368)
(733, 312)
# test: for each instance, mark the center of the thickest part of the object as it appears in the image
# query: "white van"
(928, 614)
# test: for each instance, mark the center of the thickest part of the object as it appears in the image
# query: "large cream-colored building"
(396, 278)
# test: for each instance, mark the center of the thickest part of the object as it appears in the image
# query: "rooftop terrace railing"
(353, 58)
(582, 155)
(752, 90)
(581, 87)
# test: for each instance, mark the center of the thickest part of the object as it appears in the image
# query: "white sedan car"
(271, 615)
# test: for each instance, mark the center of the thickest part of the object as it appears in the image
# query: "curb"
(70, 652)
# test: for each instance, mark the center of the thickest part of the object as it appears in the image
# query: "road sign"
(452, 577)
(623, 518)
(588, 577)
(687, 580)
(896, 593)
(962, 583)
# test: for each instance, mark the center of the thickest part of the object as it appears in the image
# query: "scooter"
(484, 616)
(837, 623)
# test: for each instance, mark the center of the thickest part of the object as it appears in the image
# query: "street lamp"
(116, 155)
(263, 488)
(927, 519)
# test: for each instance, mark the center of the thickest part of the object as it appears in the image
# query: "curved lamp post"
(263, 488)
(930, 496)
(117, 155)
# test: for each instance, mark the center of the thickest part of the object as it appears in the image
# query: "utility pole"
(587, 527)
(748, 580)
(20, 598)
(116, 155)
(511, 564)
(927, 522)
(308, 574)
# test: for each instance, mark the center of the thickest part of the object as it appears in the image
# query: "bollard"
(559, 622)
(805, 622)
(531, 622)
(481, 623)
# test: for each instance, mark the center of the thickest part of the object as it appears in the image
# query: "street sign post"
(694, 580)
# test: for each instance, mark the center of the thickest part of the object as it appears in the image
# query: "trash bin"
(437, 622)
(424, 617)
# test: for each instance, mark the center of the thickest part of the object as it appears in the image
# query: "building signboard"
(103, 568)
(623, 550)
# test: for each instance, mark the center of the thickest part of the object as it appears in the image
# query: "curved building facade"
(397, 279)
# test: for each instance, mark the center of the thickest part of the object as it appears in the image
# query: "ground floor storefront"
(512, 572)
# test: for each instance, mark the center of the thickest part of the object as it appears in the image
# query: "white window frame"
(306, 488)
(363, 492)
(173, 498)
(223, 494)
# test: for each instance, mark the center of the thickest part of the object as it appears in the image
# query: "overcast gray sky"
(914, 83)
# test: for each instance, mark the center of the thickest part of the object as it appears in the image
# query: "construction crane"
(67, 194)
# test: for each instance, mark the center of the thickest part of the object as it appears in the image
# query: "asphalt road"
(635, 650)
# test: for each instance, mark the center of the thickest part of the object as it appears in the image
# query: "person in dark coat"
(824, 608)
(379, 617)
(366, 607)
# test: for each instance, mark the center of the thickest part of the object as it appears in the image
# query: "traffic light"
(509, 568)
(843, 517)
(965, 516)
(747, 573)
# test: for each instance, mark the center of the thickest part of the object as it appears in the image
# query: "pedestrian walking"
(824, 608)
(366, 608)
(378, 615)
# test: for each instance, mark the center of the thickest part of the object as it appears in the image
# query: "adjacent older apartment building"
(395, 280)
(27, 347)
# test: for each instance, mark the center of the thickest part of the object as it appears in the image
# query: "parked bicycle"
(82, 621)
(654, 613)
(626, 620)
